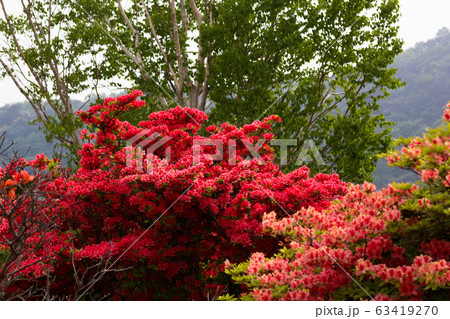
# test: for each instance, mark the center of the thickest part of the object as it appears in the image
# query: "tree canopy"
(321, 66)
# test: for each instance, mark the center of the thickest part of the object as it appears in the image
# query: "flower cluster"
(446, 114)
(17, 178)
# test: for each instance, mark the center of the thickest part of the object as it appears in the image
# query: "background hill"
(414, 108)
(28, 140)
(420, 103)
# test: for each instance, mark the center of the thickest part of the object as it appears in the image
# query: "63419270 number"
(406, 310)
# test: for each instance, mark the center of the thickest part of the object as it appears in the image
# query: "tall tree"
(46, 59)
(321, 65)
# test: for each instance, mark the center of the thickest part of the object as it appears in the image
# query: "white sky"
(420, 20)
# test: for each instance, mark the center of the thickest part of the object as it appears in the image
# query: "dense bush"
(164, 232)
(387, 245)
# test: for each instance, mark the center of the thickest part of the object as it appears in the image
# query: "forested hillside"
(419, 104)
(425, 69)
(27, 139)
(414, 107)
(17, 121)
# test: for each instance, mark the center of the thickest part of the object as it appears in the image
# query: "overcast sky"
(420, 20)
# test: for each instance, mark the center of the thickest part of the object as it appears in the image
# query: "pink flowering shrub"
(167, 225)
(429, 157)
(390, 244)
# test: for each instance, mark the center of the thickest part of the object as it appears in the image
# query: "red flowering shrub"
(386, 245)
(29, 239)
(170, 223)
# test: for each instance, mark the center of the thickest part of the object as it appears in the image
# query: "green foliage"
(65, 125)
(319, 66)
(4, 253)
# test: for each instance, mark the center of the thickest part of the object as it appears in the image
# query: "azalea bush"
(390, 244)
(162, 226)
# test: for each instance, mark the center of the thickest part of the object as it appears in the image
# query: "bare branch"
(42, 117)
(127, 51)
(197, 13)
(133, 29)
(176, 38)
(161, 49)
